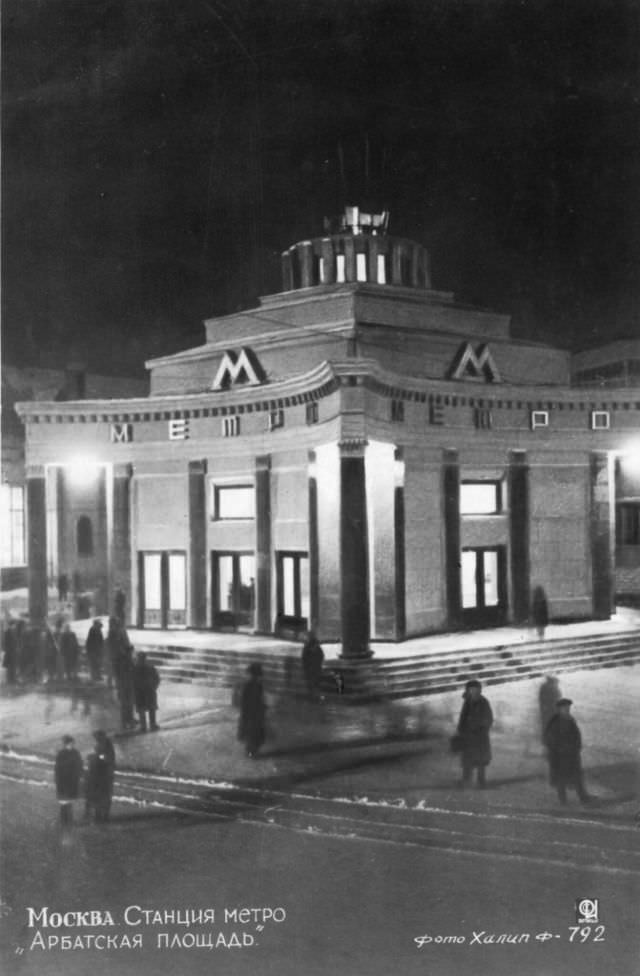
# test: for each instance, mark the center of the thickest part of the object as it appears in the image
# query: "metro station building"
(360, 454)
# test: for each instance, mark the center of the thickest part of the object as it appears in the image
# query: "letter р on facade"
(355, 553)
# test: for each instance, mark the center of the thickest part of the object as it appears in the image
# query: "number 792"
(586, 933)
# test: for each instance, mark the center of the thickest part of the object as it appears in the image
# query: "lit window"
(12, 548)
(230, 426)
(479, 497)
(234, 502)
(361, 267)
(293, 585)
(340, 272)
(382, 269)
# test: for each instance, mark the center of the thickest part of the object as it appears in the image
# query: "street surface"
(347, 848)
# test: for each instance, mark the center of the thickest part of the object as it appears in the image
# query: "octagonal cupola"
(356, 248)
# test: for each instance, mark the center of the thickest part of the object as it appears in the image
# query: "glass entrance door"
(233, 582)
(483, 586)
(163, 589)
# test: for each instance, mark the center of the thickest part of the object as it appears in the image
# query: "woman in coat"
(476, 718)
(251, 729)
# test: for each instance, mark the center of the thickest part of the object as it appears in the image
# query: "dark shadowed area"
(158, 157)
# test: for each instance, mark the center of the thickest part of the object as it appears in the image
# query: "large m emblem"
(240, 368)
(474, 365)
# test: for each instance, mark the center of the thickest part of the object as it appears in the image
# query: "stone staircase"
(431, 672)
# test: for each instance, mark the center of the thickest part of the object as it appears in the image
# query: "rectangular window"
(312, 412)
(628, 524)
(361, 267)
(12, 542)
(397, 411)
(539, 418)
(234, 502)
(230, 426)
(340, 268)
(479, 497)
(600, 420)
(276, 419)
(293, 585)
(382, 269)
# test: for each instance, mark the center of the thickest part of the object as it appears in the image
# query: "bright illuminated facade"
(359, 454)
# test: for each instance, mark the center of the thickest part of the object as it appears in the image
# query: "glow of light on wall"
(630, 460)
(82, 471)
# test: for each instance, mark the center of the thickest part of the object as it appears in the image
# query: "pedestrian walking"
(564, 744)
(476, 719)
(119, 605)
(539, 611)
(50, 654)
(548, 696)
(68, 774)
(101, 765)
(63, 587)
(94, 647)
(251, 727)
(116, 640)
(312, 661)
(145, 689)
(10, 650)
(70, 652)
(126, 692)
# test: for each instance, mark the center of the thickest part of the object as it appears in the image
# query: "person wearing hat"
(563, 742)
(476, 718)
(95, 649)
(68, 774)
(145, 691)
(101, 766)
(251, 728)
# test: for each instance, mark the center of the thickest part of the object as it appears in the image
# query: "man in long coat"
(70, 652)
(564, 743)
(68, 773)
(101, 766)
(145, 687)
(312, 661)
(476, 718)
(95, 649)
(251, 728)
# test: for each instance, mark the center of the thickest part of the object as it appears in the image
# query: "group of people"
(97, 779)
(560, 735)
(33, 653)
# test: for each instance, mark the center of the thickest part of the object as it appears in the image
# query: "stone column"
(519, 534)
(37, 542)
(601, 525)
(399, 525)
(314, 573)
(451, 495)
(198, 544)
(353, 552)
(263, 622)
(121, 535)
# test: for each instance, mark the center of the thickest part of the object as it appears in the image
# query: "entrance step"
(396, 677)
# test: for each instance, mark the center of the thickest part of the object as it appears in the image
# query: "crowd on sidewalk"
(53, 656)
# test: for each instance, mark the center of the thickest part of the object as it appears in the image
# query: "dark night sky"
(159, 155)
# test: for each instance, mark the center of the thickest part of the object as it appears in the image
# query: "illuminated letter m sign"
(242, 367)
(478, 365)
